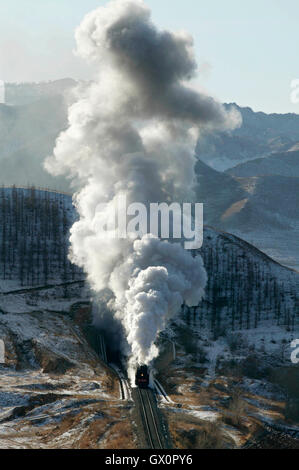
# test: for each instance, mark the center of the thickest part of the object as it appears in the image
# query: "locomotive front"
(142, 377)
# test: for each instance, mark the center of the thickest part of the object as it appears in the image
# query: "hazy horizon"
(246, 53)
(72, 78)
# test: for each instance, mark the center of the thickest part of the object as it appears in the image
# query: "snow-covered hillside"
(55, 392)
(231, 381)
(34, 231)
(245, 287)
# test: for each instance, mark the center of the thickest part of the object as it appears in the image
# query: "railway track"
(125, 393)
(40, 288)
(150, 420)
(143, 397)
(102, 348)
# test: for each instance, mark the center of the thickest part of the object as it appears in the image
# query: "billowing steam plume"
(133, 132)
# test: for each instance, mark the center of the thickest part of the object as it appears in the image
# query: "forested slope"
(34, 232)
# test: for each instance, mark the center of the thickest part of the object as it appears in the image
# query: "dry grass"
(110, 384)
(104, 424)
(120, 436)
(291, 411)
(236, 410)
(229, 401)
(112, 431)
(190, 433)
(92, 437)
(211, 437)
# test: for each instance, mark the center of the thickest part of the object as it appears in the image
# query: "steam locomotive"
(142, 377)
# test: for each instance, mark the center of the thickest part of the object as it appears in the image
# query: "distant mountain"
(259, 135)
(218, 191)
(31, 119)
(283, 163)
(263, 210)
(35, 114)
(27, 135)
(17, 94)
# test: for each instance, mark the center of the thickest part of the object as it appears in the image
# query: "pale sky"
(247, 51)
